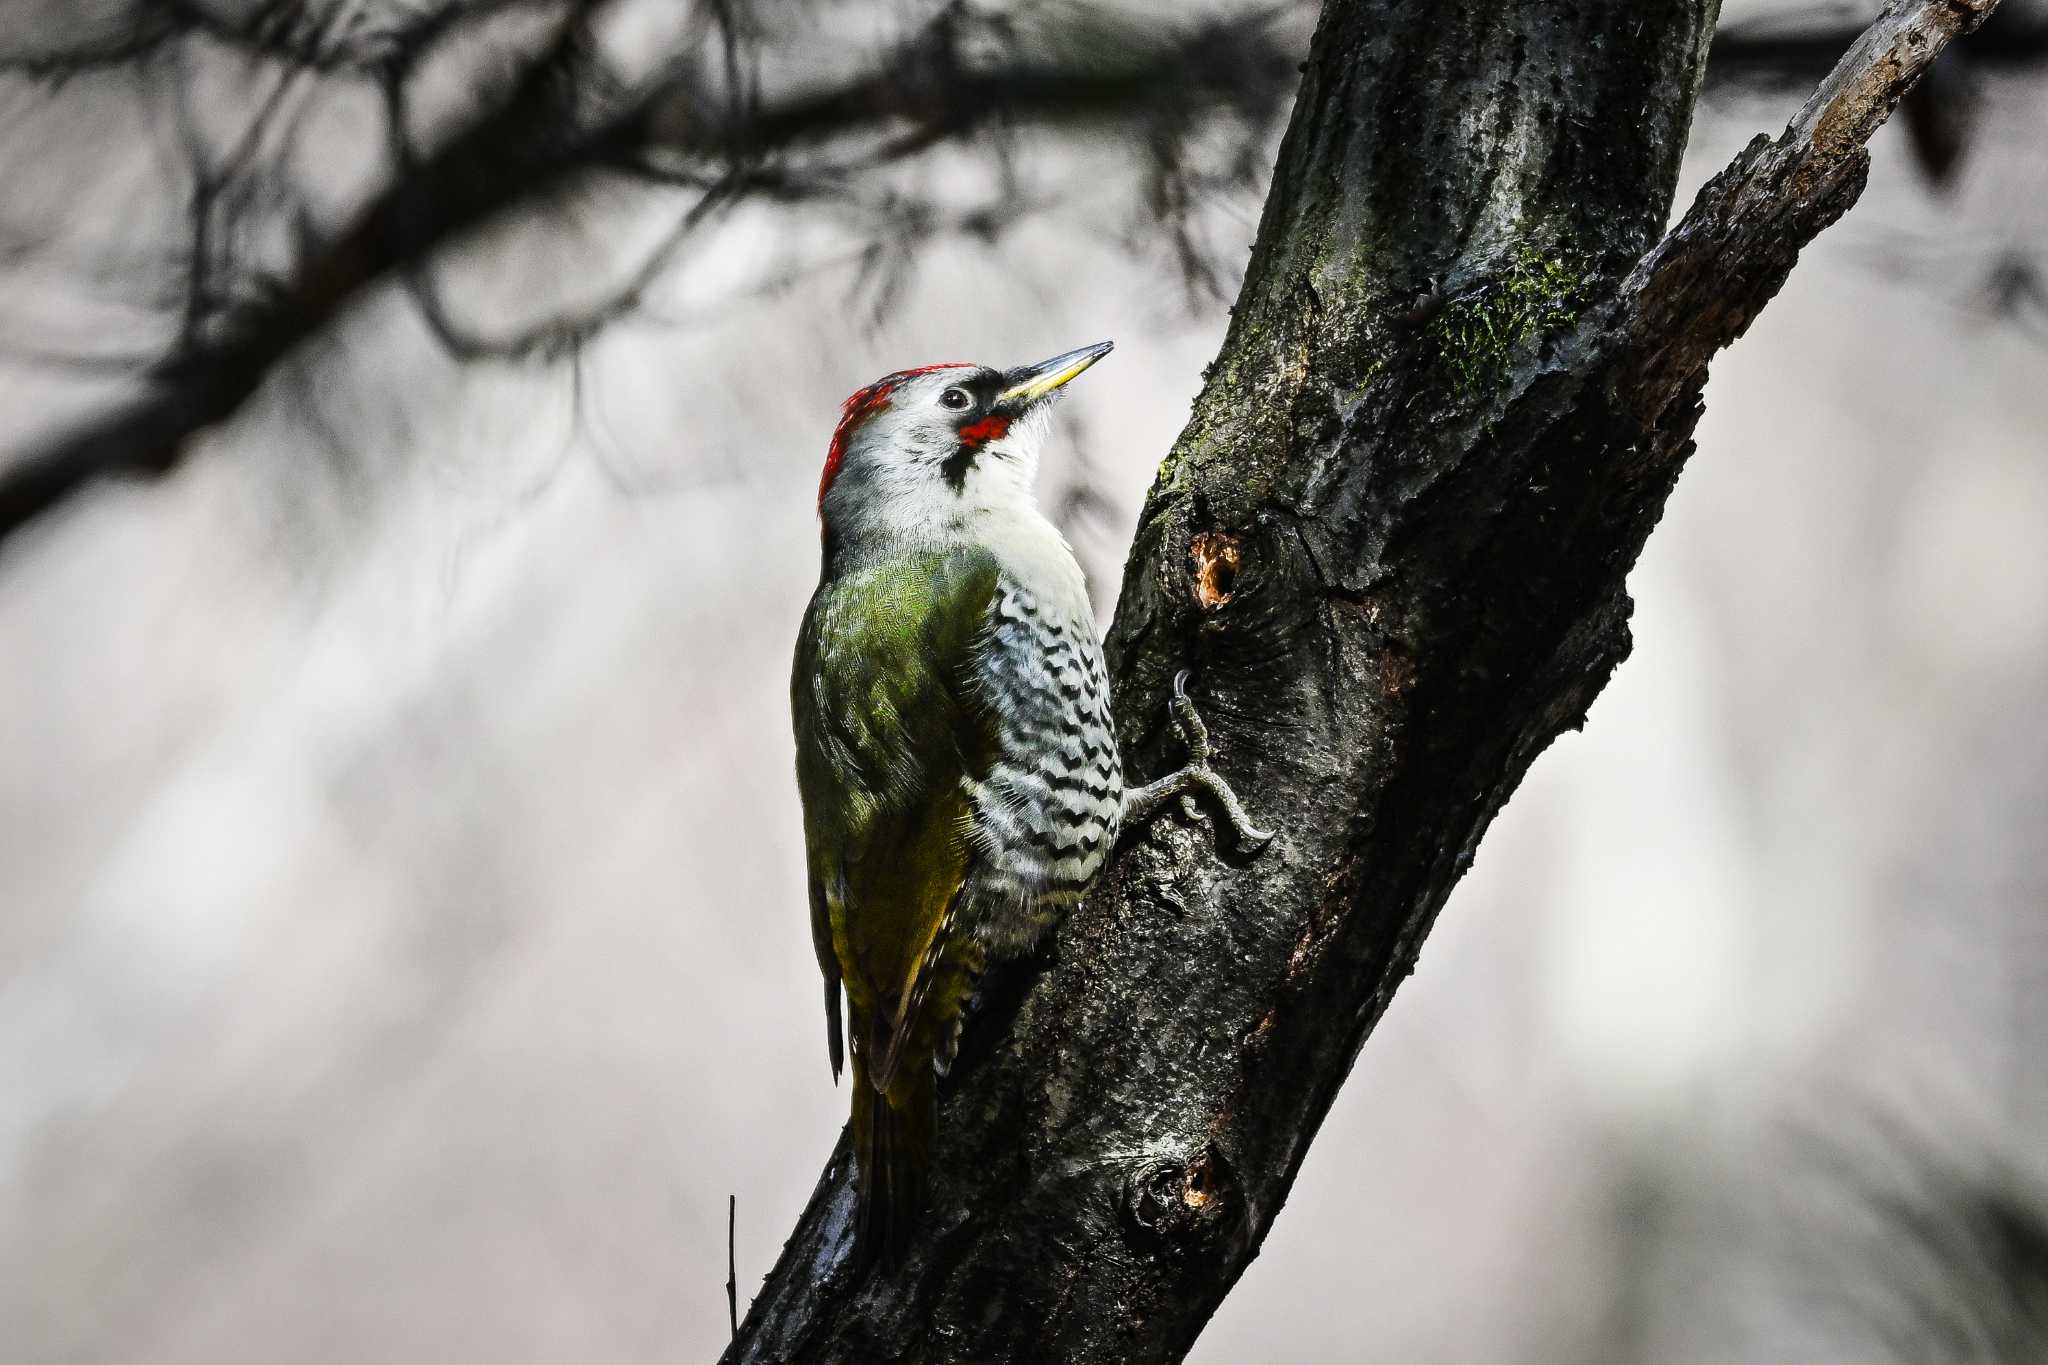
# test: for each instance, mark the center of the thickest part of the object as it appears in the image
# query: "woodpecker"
(955, 756)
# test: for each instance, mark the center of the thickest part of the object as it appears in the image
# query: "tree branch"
(1458, 386)
(557, 124)
(1701, 286)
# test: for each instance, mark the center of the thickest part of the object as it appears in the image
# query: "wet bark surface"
(1391, 544)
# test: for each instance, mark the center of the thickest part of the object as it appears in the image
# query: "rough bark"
(1461, 380)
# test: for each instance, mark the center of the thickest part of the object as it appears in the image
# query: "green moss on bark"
(1481, 332)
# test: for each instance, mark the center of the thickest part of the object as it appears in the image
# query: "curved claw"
(1188, 721)
(1248, 834)
(1139, 803)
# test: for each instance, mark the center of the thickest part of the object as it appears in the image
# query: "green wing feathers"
(889, 733)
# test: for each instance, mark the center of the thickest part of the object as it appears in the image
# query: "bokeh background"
(403, 951)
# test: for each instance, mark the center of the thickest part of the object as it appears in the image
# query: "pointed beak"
(1027, 384)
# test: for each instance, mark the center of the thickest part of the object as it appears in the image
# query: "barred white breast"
(1047, 813)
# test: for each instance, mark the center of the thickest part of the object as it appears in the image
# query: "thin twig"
(732, 1282)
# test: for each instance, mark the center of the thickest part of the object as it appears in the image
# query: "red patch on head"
(856, 410)
(863, 405)
(990, 428)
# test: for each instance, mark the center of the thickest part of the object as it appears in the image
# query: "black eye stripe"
(981, 387)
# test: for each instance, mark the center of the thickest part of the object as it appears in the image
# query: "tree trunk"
(1459, 384)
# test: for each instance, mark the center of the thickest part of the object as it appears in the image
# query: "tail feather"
(892, 1136)
(835, 1041)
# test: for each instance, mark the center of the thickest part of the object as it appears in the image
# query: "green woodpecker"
(959, 772)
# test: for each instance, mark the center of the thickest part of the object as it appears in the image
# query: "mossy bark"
(1391, 544)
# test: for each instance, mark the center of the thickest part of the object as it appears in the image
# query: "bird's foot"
(1142, 803)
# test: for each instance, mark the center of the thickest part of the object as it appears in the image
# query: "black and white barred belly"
(1047, 813)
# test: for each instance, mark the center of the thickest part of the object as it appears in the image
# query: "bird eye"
(954, 398)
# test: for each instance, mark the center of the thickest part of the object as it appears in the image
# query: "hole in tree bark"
(1185, 1205)
(1216, 556)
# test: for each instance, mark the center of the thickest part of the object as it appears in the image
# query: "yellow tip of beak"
(1033, 382)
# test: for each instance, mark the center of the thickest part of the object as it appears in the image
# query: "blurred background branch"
(693, 120)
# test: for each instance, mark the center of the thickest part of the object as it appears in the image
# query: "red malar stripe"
(989, 428)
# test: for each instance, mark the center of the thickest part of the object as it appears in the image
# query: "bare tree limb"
(560, 122)
(1460, 381)
(1793, 49)
(464, 182)
(1701, 286)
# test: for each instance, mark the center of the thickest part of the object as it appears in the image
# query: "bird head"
(928, 447)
